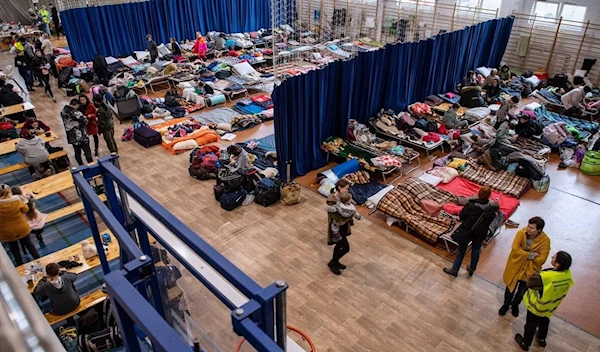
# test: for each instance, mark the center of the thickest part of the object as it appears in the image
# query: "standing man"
(546, 292)
(55, 19)
(152, 48)
(45, 15)
(106, 125)
(529, 252)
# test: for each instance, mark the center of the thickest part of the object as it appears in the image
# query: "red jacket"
(27, 126)
(90, 115)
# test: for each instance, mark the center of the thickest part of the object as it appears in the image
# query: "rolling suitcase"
(146, 136)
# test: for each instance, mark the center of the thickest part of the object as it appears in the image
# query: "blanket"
(219, 115)
(202, 136)
(547, 117)
(549, 96)
(404, 203)
(463, 187)
(502, 181)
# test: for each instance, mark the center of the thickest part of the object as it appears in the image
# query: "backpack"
(90, 321)
(232, 200)
(290, 192)
(431, 126)
(100, 341)
(231, 182)
(171, 98)
(267, 192)
(218, 191)
(251, 179)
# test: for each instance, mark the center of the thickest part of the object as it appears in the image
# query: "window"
(481, 8)
(572, 15)
(491, 4)
(573, 12)
(545, 9)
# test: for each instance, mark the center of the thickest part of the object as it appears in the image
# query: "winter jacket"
(153, 49)
(33, 150)
(89, 111)
(23, 63)
(471, 212)
(37, 63)
(450, 119)
(74, 123)
(99, 63)
(557, 132)
(27, 126)
(105, 119)
(63, 300)
(13, 225)
(8, 97)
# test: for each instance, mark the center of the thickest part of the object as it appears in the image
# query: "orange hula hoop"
(288, 327)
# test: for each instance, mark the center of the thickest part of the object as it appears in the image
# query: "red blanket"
(463, 187)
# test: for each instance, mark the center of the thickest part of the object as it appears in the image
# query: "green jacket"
(105, 119)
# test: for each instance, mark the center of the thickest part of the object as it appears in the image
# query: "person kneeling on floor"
(476, 218)
(59, 287)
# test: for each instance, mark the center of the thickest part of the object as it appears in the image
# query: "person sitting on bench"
(34, 126)
(35, 154)
(59, 287)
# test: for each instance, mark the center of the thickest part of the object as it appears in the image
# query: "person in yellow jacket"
(529, 252)
(45, 15)
(546, 292)
(13, 224)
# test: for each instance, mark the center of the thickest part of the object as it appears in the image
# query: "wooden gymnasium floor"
(394, 295)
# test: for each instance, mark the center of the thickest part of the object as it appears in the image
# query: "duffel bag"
(232, 182)
(199, 173)
(591, 163)
(232, 200)
(218, 190)
(267, 192)
(290, 194)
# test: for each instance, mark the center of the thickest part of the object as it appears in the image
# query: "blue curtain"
(311, 107)
(118, 30)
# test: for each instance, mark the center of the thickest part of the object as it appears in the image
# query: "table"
(49, 185)
(15, 109)
(10, 146)
(64, 254)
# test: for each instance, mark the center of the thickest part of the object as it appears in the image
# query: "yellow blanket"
(518, 267)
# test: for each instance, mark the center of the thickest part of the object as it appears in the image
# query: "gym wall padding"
(118, 30)
(312, 107)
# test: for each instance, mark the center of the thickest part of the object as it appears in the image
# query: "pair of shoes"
(450, 272)
(512, 224)
(515, 311)
(334, 269)
(519, 339)
(541, 342)
(341, 266)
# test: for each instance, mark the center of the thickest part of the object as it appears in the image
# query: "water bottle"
(41, 268)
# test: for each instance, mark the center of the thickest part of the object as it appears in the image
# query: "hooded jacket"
(33, 150)
(471, 212)
(75, 125)
(8, 97)
(64, 299)
(13, 225)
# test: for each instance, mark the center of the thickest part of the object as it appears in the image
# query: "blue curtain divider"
(311, 107)
(118, 30)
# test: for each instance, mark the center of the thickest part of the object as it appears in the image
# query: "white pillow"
(478, 113)
(244, 68)
(532, 106)
(431, 179)
(129, 60)
(111, 60)
(224, 126)
(326, 186)
(485, 71)
(163, 50)
(533, 80)
(374, 199)
(141, 55)
(580, 73)
(185, 145)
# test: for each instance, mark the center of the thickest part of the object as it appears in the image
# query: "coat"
(105, 119)
(89, 112)
(471, 212)
(74, 123)
(33, 150)
(13, 225)
(344, 229)
(8, 97)
(518, 266)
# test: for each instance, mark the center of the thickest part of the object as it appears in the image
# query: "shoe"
(515, 311)
(54, 99)
(541, 342)
(470, 272)
(512, 224)
(450, 272)
(42, 244)
(96, 153)
(334, 269)
(341, 266)
(503, 310)
(519, 339)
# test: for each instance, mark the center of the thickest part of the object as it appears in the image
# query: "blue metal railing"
(261, 320)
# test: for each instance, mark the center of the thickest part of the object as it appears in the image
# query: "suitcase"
(146, 136)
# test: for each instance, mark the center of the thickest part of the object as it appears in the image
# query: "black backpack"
(232, 200)
(171, 98)
(90, 321)
(199, 173)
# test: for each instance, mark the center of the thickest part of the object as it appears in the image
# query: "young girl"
(35, 218)
(200, 46)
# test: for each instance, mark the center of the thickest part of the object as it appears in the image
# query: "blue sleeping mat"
(455, 100)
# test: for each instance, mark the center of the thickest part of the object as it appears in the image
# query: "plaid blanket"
(404, 203)
(502, 181)
(528, 146)
(359, 177)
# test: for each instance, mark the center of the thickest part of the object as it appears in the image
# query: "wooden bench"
(10, 146)
(23, 165)
(64, 254)
(86, 302)
(49, 185)
(68, 210)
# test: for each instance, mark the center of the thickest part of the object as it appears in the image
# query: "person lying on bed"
(492, 92)
(451, 119)
(342, 212)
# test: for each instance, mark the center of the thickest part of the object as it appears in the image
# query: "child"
(35, 218)
(344, 211)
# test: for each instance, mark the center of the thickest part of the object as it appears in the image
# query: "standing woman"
(41, 69)
(89, 111)
(200, 46)
(13, 225)
(342, 246)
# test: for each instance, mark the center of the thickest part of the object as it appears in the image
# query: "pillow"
(141, 55)
(457, 163)
(580, 73)
(244, 68)
(185, 145)
(111, 60)
(447, 174)
(163, 50)
(326, 186)
(184, 85)
(129, 60)
(431, 179)
(374, 199)
(485, 71)
(533, 80)
(224, 126)
(431, 206)
(532, 106)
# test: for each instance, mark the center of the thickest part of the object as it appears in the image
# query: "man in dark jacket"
(476, 218)
(106, 125)
(152, 48)
(23, 64)
(75, 126)
(524, 127)
(59, 287)
(55, 20)
(100, 68)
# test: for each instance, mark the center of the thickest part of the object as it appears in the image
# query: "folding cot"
(392, 133)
